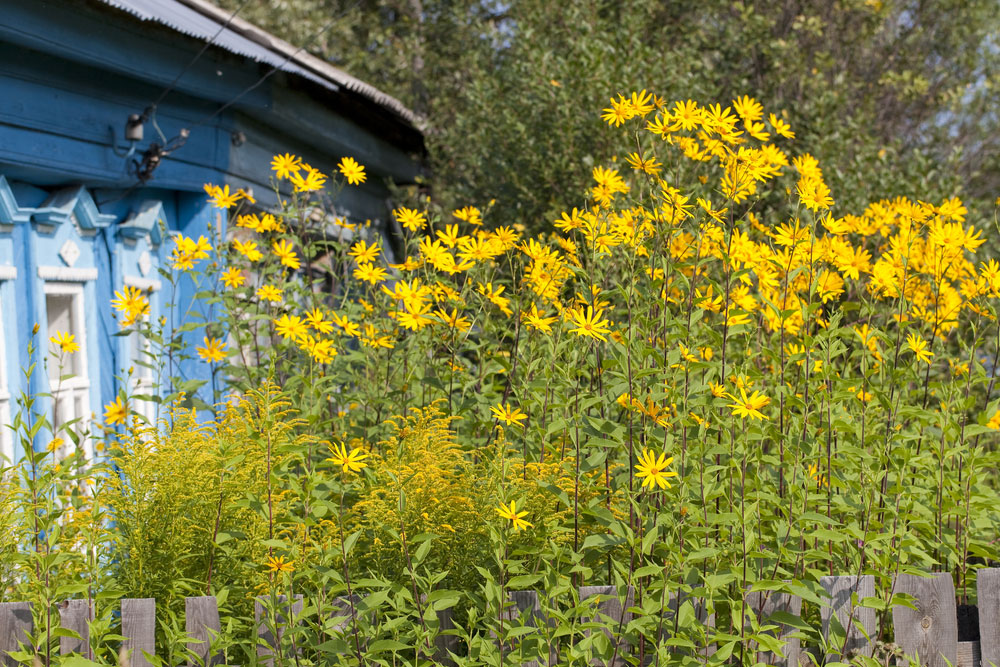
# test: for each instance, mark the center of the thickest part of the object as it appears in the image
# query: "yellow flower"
(994, 422)
(132, 303)
(116, 412)
(322, 350)
(352, 171)
(352, 461)
(453, 319)
(312, 181)
(350, 328)
(415, 319)
(718, 389)
(450, 236)
(248, 249)
(919, 347)
(284, 252)
(748, 406)
(469, 214)
(290, 326)
(502, 412)
(279, 564)
(284, 165)
(817, 476)
(620, 111)
(362, 252)
(654, 470)
(814, 193)
(370, 273)
(537, 320)
(516, 518)
(56, 443)
(642, 163)
(187, 251)
(214, 350)
(317, 320)
(591, 323)
(410, 218)
(65, 341)
(269, 293)
(233, 277)
(748, 108)
(781, 127)
(221, 197)
(501, 302)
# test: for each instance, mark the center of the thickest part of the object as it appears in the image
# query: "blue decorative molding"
(64, 204)
(10, 212)
(144, 221)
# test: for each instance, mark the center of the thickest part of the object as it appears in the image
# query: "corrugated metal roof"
(202, 20)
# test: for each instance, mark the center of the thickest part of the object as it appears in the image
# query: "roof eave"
(306, 60)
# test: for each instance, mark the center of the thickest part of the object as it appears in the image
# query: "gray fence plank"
(139, 629)
(988, 594)
(968, 655)
(15, 629)
(611, 607)
(76, 615)
(931, 631)
(202, 625)
(266, 642)
(852, 619)
(766, 603)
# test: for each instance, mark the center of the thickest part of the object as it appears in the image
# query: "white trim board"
(144, 284)
(67, 274)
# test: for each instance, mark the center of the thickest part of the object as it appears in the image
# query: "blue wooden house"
(113, 115)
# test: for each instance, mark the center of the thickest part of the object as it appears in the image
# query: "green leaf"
(383, 645)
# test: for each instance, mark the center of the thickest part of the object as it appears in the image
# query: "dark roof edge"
(306, 60)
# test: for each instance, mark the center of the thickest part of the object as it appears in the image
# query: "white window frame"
(6, 435)
(77, 388)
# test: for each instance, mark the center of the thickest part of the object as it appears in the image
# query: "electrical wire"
(200, 53)
(276, 68)
(153, 156)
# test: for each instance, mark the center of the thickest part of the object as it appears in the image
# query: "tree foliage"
(895, 96)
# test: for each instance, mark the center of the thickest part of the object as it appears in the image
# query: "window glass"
(62, 317)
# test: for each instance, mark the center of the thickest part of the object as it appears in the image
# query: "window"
(6, 435)
(69, 384)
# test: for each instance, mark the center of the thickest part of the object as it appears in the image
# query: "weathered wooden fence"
(929, 633)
